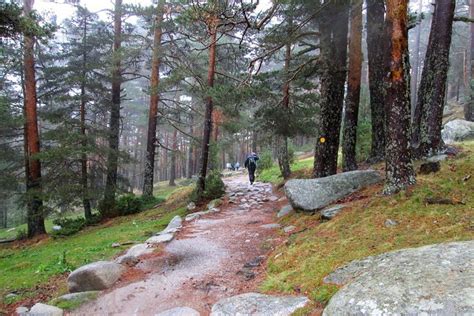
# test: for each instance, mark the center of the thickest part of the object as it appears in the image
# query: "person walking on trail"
(251, 165)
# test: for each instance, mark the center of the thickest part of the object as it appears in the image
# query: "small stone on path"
(40, 309)
(22, 310)
(285, 210)
(288, 229)
(271, 226)
(330, 212)
(179, 311)
(390, 223)
(258, 304)
(160, 239)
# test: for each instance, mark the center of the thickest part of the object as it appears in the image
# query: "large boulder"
(94, 276)
(258, 304)
(40, 309)
(457, 130)
(313, 194)
(430, 280)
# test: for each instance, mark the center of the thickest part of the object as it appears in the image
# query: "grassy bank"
(26, 268)
(300, 265)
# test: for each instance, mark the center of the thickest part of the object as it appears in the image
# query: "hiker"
(237, 166)
(228, 166)
(251, 165)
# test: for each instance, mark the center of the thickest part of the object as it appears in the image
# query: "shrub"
(129, 204)
(150, 201)
(215, 187)
(265, 161)
(69, 226)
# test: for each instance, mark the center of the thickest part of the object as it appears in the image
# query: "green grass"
(273, 174)
(359, 231)
(163, 190)
(25, 266)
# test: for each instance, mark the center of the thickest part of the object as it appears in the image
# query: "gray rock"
(21, 310)
(313, 194)
(40, 309)
(174, 224)
(155, 240)
(330, 212)
(285, 210)
(94, 276)
(457, 130)
(191, 206)
(390, 222)
(214, 210)
(115, 245)
(288, 229)
(131, 257)
(429, 280)
(270, 226)
(437, 158)
(57, 227)
(78, 298)
(179, 311)
(258, 304)
(11, 296)
(193, 216)
(273, 198)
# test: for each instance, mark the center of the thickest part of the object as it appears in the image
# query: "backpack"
(252, 162)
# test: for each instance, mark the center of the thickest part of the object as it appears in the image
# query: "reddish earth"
(205, 262)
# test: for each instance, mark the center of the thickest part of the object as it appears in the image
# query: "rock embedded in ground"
(76, 298)
(175, 224)
(40, 309)
(191, 206)
(390, 222)
(457, 130)
(131, 257)
(285, 210)
(429, 280)
(115, 245)
(155, 240)
(255, 262)
(288, 229)
(271, 226)
(330, 212)
(437, 158)
(94, 276)
(258, 304)
(179, 311)
(429, 167)
(21, 311)
(314, 194)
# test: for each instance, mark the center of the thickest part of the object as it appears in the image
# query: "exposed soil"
(216, 256)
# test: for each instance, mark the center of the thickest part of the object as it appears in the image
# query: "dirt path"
(215, 256)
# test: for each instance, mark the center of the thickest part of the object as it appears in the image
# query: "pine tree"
(351, 114)
(399, 167)
(333, 26)
(428, 117)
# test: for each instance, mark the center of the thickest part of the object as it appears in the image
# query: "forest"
(105, 105)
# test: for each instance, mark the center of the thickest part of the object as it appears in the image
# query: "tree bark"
(351, 114)
(282, 143)
(108, 207)
(376, 52)
(84, 172)
(333, 27)
(427, 122)
(173, 159)
(189, 169)
(398, 164)
(416, 67)
(153, 108)
(201, 183)
(469, 106)
(35, 216)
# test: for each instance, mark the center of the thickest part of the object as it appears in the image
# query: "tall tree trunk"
(399, 167)
(173, 159)
(189, 169)
(349, 138)
(428, 117)
(416, 67)
(153, 109)
(282, 143)
(35, 216)
(201, 183)
(108, 208)
(84, 173)
(333, 27)
(376, 52)
(469, 106)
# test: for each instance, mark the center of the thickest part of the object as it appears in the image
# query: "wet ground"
(218, 255)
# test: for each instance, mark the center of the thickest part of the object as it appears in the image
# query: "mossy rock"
(74, 300)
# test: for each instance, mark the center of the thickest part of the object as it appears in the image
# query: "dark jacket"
(249, 157)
